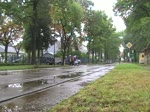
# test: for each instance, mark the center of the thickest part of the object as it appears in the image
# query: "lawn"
(124, 89)
(21, 67)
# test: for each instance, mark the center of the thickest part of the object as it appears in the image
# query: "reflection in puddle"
(71, 75)
(3, 73)
(15, 85)
(18, 108)
(27, 85)
(31, 103)
(10, 108)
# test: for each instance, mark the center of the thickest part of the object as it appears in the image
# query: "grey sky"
(107, 7)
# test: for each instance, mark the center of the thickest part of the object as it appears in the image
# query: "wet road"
(38, 90)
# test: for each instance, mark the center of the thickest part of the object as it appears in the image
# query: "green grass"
(124, 89)
(20, 67)
(128, 66)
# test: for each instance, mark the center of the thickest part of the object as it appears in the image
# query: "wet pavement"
(38, 90)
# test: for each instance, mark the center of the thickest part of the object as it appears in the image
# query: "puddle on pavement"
(41, 101)
(4, 73)
(15, 88)
(27, 85)
(16, 108)
(70, 75)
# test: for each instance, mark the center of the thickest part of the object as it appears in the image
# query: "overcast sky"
(107, 7)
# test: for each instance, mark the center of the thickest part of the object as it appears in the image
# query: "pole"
(93, 51)
(89, 53)
(129, 56)
(54, 52)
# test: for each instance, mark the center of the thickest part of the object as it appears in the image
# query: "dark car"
(46, 60)
(51, 61)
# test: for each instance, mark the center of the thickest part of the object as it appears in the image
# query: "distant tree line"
(40, 22)
(136, 15)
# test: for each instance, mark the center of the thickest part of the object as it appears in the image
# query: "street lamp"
(89, 51)
(54, 49)
(92, 50)
(89, 40)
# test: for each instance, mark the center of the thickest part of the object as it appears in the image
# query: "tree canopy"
(42, 21)
(136, 15)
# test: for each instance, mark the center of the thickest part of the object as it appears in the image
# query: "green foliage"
(136, 15)
(21, 66)
(63, 18)
(84, 55)
(128, 66)
(58, 54)
(34, 15)
(75, 13)
(67, 20)
(103, 38)
(78, 53)
(27, 43)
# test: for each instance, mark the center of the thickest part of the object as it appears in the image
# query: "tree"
(102, 38)
(136, 15)
(68, 16)
(9, 32)
(37, 31)
(18, 47)
(10, 28)
(33, 14)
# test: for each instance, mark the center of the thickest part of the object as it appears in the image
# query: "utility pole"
(129, 45)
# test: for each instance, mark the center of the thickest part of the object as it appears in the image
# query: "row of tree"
(40, 22)
(136, 15)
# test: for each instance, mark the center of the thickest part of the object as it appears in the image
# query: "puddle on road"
(17, 108)
(71, 75)
(41, 101)
(27, 85)
(7, 88)
(3, 73)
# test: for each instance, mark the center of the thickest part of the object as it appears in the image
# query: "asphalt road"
(40, 89)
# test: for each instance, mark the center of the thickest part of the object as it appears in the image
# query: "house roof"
(10, 49)
(57, 48)
(51, 48)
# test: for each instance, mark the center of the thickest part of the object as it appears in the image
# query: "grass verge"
(21, 67)
(124, 89)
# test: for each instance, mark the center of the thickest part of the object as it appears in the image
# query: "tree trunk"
(34, 32)
(29, 58)
(39, 52)
(6, 51)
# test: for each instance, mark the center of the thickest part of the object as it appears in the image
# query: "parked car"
(77, 62)
(17, 60)
(52, 61)
(58, 60)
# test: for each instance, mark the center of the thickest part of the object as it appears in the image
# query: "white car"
(58, 60)
(77, 62)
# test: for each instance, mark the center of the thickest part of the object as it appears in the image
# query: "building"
(144, 56)
(11, 54)
(53, 49)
